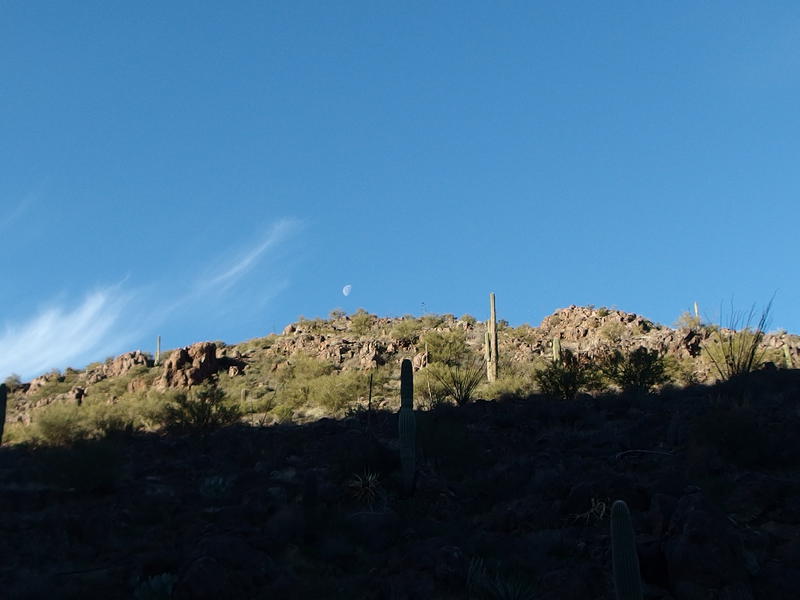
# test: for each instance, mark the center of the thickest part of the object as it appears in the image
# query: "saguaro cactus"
(158, 349)
(557, 350)
(787, 354)
(407, 425)
(3, 396)
(625, 562)
(491, 342)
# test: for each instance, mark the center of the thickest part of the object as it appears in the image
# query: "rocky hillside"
(363, 342)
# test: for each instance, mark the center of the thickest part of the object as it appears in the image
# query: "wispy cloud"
(111, 318)
(8, 217)
(57, 335)
(229, 274)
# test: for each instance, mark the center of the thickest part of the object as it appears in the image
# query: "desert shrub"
(431, 321)
(302, 366)
(361, 322)
(12, 382)
(460, 379)
(109, 419)
(525, 334)
(687, 320)
(61, 424)
(517, 379)
(680, 370)
(203, 409)
(157, 587)
(315, 325)
(336, 314)
(449, 347)
(565, 378)
(613, 331)
(602, 311)
(283, 413)
(335, 393)
(468, 319)
(407, 330)
(737, 352)
(638, 371)
(428, 391)
(502, 325)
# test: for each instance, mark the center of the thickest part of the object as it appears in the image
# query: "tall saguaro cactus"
(557, 350)
(3, 396)
(158, 349)
(625, 562)
(491, 342)
(407, 425)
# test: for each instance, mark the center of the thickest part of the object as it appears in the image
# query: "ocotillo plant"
(491, 342)
(624, 561)
(557, 350)
(3, 396)
(407, 425)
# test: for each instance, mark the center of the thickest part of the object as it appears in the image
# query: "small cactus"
(625, 562)
(407, 425)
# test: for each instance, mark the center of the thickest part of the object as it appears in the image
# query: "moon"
(346, 289)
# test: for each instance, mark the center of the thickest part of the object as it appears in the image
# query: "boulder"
(188, 366)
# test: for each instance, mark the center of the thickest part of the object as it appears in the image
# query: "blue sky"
(211, 171)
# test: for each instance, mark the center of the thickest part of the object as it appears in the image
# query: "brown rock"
(125, 362)
(189, 366)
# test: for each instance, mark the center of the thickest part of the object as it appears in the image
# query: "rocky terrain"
(511, 497)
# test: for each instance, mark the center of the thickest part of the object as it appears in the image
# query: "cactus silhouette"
(407, 425)
(625, 562)
(3, 396)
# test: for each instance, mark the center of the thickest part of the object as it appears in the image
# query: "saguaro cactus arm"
(625, 562)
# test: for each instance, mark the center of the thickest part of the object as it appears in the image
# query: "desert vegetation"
(317, 413)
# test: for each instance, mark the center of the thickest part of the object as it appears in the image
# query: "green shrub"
(638, 371)
(449, 347)
(680, 370)
(203, 410)
(61, 424)
(565, 378)
(361, 322)
(13, 382)
(335, 393)
(687, 320)
(431, 321)
(406, 331)
(283, 413)
(469, 319)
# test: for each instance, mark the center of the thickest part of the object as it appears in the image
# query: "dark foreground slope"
(512, 500)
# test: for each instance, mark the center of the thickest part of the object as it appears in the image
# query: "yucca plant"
(564, 378)
(737, 352)
(460, 379)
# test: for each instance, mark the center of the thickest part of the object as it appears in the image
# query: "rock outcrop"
(189, 366)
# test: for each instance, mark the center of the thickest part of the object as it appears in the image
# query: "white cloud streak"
(110, 318)
(231, 273)
(57, 336)
(9, 217)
